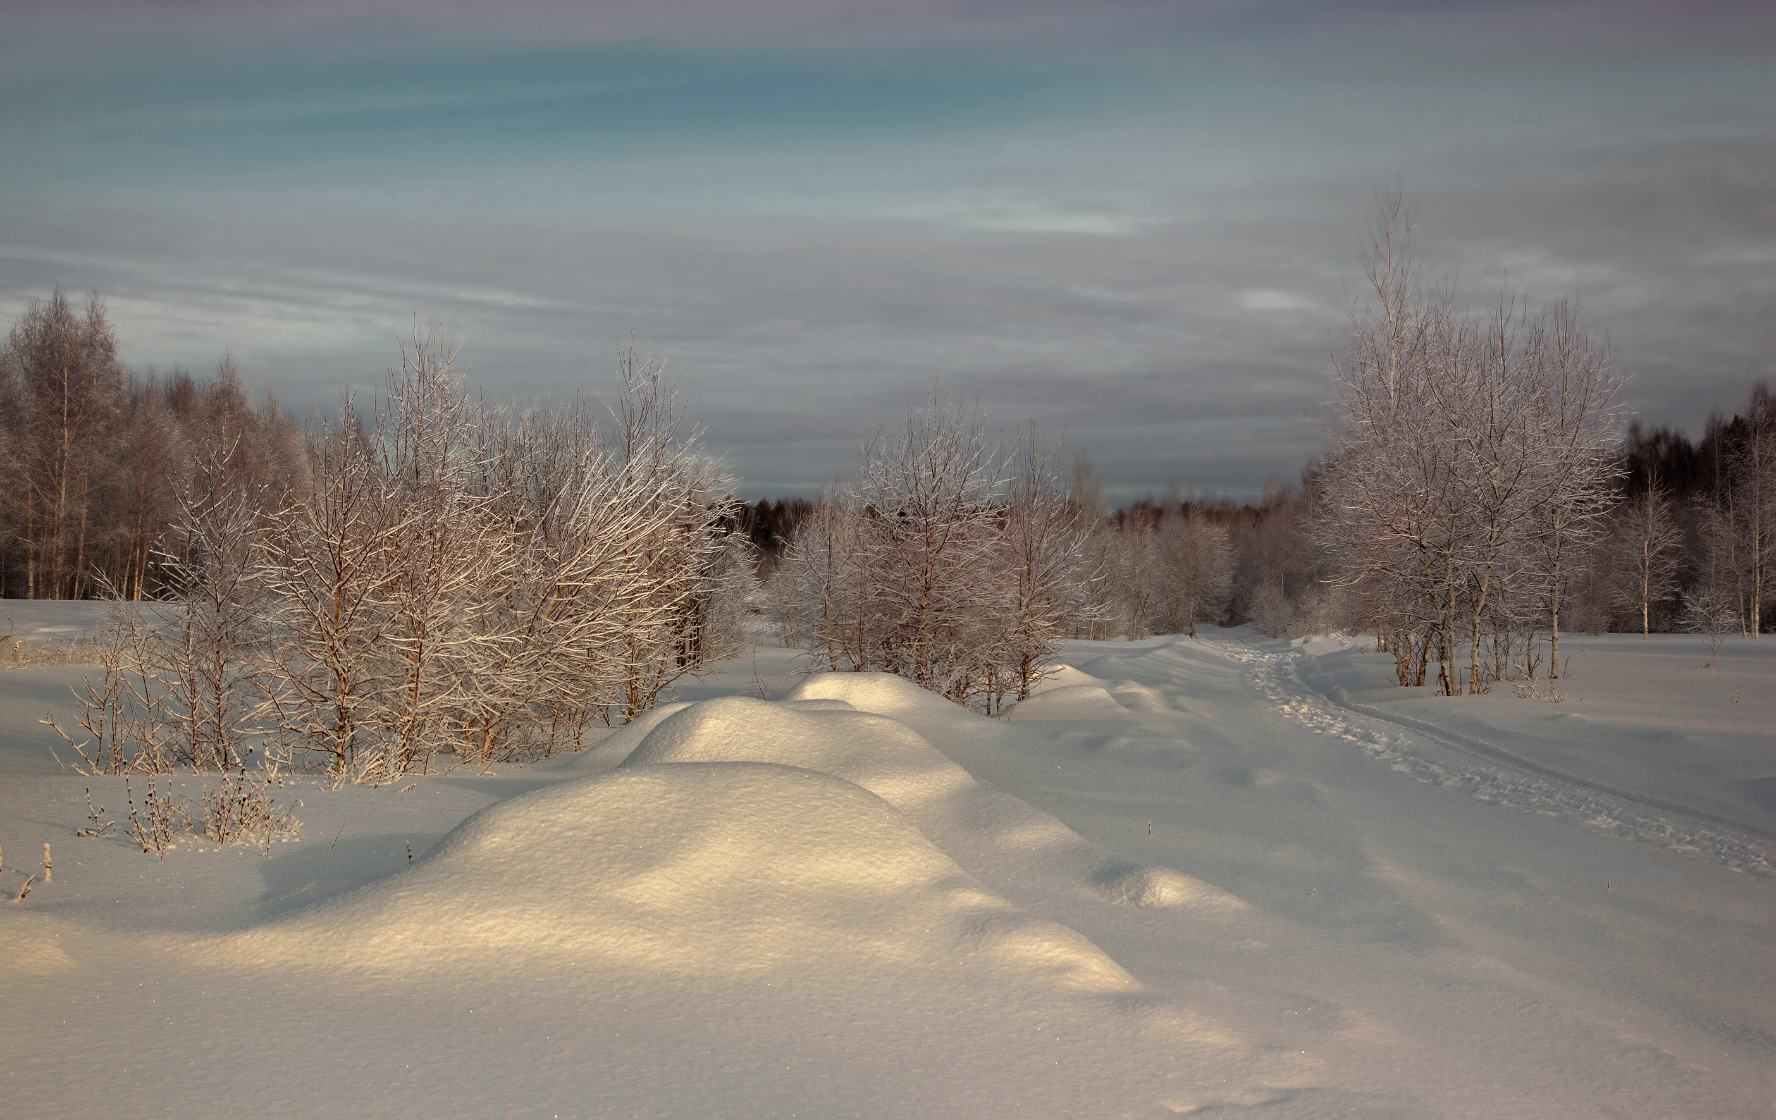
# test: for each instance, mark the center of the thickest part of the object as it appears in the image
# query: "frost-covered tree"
(683, 496)
(1465, 467)
(1134, 574)
(330, 581)
(1578, 418)
(442, 556)
(1042, 553)
(489, 583)
(930, 516)
(1196, 571)
(209, 642)
(940, 560)
(809, 590)
(1647, 543)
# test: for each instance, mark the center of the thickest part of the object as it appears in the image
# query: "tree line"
(432, 573)
(96, 456)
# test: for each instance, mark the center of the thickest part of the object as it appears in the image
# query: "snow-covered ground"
(1227, 875)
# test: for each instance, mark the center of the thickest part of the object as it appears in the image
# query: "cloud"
(1269, 299)
(1151, 241)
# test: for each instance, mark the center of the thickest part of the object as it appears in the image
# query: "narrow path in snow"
(1439, 956)
(1491, 752)
(1512, 781)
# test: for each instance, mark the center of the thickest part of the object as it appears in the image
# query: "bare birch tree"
(1754, 506)
(65, 386)
(1196, 565)
(1042, 553)
(1647, 550)
(1466, 467)
(330, 580)
(1579, 421)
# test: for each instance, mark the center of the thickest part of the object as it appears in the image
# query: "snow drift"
(865, 900)
(779, 856)
(698, 869)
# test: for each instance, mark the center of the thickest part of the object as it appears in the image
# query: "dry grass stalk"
(242, 809)
(160, 819)
(98, 827)
(18, 653)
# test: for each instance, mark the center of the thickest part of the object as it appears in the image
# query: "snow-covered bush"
(507, 579)
(456, 581)
(1714, 613)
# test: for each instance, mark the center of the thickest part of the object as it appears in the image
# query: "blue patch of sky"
(507, 123)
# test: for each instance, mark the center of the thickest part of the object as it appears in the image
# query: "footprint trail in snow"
(1277, 676)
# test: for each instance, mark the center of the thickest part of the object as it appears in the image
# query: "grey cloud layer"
(1161, 270)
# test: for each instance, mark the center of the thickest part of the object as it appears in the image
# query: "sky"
(1140, 222)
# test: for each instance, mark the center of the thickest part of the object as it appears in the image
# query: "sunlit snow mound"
(1071, 702)
(616, 746)
(882, 755)
(805, 864)
(694, 870)
(1066, 693)
(885, 695)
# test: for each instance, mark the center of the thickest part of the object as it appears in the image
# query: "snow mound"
(693, 871)
(885, 695)
(619, 744)
(32, 945)
(616, 746)
(1148, 888)
(882, 755)
(1061, 676)
(1109, 667)
(1071, 702)
(999, 838)
(819, 705)
(1316, 645)
(1138, 697)
(1089, 698)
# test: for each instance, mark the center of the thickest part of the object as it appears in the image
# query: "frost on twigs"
(490, 584)
(1713, 612)
(242, 809)
(20, 654)
(1469, 476)
(126, 726)
(98, 827)
(452, 583)
(157, 824)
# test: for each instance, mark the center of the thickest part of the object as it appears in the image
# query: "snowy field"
(1228, 876)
